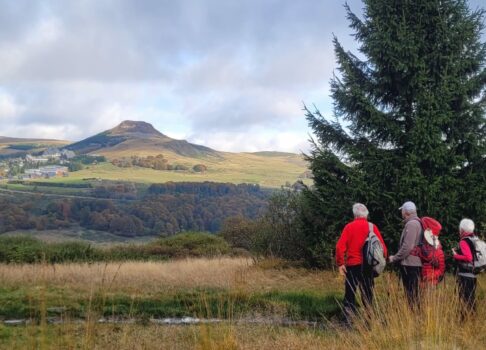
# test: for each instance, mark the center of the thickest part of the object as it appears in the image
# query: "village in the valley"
(53, 162)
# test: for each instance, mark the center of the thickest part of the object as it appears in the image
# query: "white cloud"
(8, 108)
(254, 140)
(233, 74)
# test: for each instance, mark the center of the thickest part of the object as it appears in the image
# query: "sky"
(231, 75)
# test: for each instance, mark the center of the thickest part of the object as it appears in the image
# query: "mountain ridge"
(141, 136)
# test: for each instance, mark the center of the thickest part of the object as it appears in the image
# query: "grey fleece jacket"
(410, 239)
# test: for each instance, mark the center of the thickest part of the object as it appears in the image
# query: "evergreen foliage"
(409, 122)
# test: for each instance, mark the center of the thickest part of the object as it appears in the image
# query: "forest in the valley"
(164, 209)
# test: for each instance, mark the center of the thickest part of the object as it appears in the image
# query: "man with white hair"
(349, 258)
(410, 263)
(466, 279)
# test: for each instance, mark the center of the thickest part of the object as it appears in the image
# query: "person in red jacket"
(349, 258)
(431, 254)
(433, 265)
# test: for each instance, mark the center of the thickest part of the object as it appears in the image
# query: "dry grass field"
(146, 278)
(390, 325)
(267, 171)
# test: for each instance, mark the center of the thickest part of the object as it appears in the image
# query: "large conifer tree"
(409, 121)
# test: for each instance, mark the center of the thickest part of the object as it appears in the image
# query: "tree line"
(166, 210)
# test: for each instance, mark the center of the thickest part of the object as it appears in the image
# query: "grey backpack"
(373, 253)
(478, 248)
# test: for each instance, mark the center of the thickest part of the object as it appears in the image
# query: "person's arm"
(466, 254)
(378, 234)
(341, 247)
(410, 235)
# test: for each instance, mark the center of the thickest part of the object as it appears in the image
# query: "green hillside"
(18, 147)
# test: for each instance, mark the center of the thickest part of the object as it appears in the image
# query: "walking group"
(361, 255)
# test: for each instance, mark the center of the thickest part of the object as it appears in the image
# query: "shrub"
(278, 233)
(181, 167)
(75, 166)
(281, 231)
(199, 168)
(193, 244)
(21, 250)
(240, 232)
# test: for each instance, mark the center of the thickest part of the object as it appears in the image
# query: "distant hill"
(138, 138)
(17, 147)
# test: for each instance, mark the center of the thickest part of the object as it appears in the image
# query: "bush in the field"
(24, 249)
(193, 244)
(21, 250)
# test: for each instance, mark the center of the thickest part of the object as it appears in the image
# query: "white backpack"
(479, 254)
(373, 254)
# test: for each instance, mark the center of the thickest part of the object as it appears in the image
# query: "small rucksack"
(373, 253)
(478, 249)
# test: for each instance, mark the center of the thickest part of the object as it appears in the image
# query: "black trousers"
(410, 276)
(357, 277)
(467, 293)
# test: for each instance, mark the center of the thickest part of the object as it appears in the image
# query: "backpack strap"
(416, 250)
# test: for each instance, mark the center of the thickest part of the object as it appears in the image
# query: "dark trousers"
(467, 294)
(410, 276)
(357, 276)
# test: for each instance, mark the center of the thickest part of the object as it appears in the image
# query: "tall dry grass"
(150, 277)
(437, 324)
(390, 325)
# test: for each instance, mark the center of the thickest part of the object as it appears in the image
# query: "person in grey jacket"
(410, 264)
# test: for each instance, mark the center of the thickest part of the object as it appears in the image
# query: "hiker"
(353, 267)
(466, 278)
(410, 264)
(431, 253)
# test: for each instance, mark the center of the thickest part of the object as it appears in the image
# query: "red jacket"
(352, 241)
(433, 264)
(465, 255)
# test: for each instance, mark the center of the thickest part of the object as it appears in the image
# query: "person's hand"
(342, 270)
(391, 259)
(454, 251)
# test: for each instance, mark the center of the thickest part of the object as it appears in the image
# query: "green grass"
(58, 190)
(203, 303)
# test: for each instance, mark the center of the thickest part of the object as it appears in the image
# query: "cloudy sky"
(229, 74)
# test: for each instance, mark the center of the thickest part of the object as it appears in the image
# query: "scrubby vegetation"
(200, 168)
(79, 162)
(157, 162)
(280, 231)
(31, 250)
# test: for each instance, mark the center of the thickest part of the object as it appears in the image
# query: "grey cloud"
(220, 66)
(128, 39)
